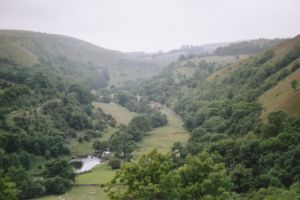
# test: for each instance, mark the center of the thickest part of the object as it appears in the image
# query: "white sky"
(152, 25)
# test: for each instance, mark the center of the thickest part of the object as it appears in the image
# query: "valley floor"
(161, 138)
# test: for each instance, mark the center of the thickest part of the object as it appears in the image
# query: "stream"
(88, 163)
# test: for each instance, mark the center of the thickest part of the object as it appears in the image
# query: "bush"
(80, 140)
(115, 163)
(158, 119)
(57, 185)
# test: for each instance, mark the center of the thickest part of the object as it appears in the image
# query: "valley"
(222, 120)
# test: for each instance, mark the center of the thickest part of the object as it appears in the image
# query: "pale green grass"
(85, 147)
(17, 53)
(164, 137)
(120, 113)
(80, 193)
(100, 175)
(282, 97)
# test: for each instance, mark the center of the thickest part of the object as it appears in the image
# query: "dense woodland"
(231, 153)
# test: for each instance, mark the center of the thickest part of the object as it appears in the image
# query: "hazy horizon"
(151, 26)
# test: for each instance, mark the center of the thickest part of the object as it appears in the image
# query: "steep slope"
(28, 48)
(223, 115)
(279, 71)
(282, 97)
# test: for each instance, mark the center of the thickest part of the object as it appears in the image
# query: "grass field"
(164, 137)
(85, 147)
(99, 175)
(120, 113)
(282, 97)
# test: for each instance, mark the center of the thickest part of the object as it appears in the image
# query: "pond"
(87, 163)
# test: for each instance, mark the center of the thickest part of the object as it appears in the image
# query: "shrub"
(115, 163)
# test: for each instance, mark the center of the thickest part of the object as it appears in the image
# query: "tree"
(141, 122)
(158, 119)
(278, 119)
(294, 84)
(242, 178)
(156, 177)
(60, 167)
(57, 185)
(202, 178)
(141, 180)
(8, 189)
(115, 163)
(122, 144)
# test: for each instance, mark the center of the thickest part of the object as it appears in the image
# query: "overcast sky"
(152, 25)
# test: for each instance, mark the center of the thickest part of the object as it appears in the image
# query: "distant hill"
(246, 47)
(165, 58)
(29, 48)
(243, 48)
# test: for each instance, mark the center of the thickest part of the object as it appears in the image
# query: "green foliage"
(274, 193)
(154, 177)
(141, 123)
(78, 120)
(60, 168)
(101, 146)
(115, 163)
(58, 176)
(142, 180)
(157, 119)
(8, 189)
(294, 84)
(83, 95)
(122, 144)
(57, 185)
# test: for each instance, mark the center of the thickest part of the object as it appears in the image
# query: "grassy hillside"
(120, 113)
(189, 66)
(27, 48)
(17, 53)
(282, 97)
